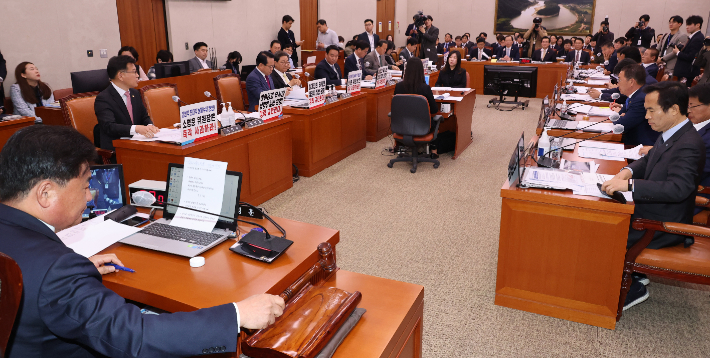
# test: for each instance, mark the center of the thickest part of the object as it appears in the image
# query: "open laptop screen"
(230, 199)
(107, 189)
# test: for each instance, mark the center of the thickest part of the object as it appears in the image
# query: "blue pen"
(121, 268)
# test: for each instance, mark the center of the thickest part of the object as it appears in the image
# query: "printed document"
(202, 189)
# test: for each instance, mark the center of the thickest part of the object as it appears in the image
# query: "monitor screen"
(230, 198)
(515, 165)
(171, 69)
(89, 81)
(107, 189)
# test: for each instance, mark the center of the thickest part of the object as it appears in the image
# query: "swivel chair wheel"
(436, 165)
(489, 105)
(389, 165)
(412, 170)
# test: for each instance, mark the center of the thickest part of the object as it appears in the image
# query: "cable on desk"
(266, 216)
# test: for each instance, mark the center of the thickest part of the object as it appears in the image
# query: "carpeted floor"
(391, 223)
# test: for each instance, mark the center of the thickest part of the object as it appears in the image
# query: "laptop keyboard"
(181, 234)
(559, 123)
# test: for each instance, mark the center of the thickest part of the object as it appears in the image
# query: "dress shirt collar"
(669, 133)
(283, 75)
(120, 90)
(50, 226)
(202, 62)
(645, 65)
(693, 34)
(633, 94)
(701, 125)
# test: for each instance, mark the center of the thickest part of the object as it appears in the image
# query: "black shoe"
(641, 278)
(636, 295)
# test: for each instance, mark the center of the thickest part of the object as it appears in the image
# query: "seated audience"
(609, 57)
(200, 61)
(409, 50)
(281, 78)
(328, 68)
(619, 43)
(452, 75)
(553, 42)
(234, 58)
(560, 44)
(465, 40)
(637, 129)
(341, 42)
(663, 183)
(699, 114)
(288, 48)
(275, 47)
(545, 53)
(648, 60)
(508, 51)
(388, 55)
(376, 59)
(258, 80)
(163, 56)
(389, 38)
(458, 42)
(119, 108)
(703, 61)
(349, 48)
(566, 48)
(130, 51)
(29, 92)
(355, 62)
(65, 309)
(480, 52)
(485, 37)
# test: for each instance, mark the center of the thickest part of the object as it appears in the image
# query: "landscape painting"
(564, 17)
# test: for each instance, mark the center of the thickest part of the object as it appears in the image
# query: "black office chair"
(411, 125)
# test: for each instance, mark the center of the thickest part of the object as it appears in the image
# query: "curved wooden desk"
(8, 128)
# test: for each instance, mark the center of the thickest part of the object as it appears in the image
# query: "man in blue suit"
(578, 54)
(328, 68)
(354, 61)
(509, 51)
(699, 114)
(369, 36)
(605, 94)
(609, 57)
(633, 114)
(66, 311)
(258, 81)
(648, 60)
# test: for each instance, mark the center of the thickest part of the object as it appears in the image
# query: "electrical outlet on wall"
(187, 46)
(103, 53)
(90, 53)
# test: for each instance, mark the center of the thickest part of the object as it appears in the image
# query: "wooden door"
(141, 24)
(385, 16)
(309, 17)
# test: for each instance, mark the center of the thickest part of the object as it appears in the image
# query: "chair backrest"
(228, 88)
(78, 112)
(311, 71)
(468, 80)
(10, 296)
(410, 115)
(61, 93)
(588, 51)
(460, 51)
(158, 101)
(661, 72)
(395, 56)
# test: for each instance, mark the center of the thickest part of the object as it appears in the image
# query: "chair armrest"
(703, 189)
(389, 114)
(105, 155)
(652, 226)
(702, 201)
(437, 118)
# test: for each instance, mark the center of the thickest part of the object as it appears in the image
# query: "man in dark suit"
(408, 51)
(641, 34)
(684, 65)
(369, 35)
(200, 61)
(119, 108)
(509, 51)
(633, 113)
(577, 54)
(665, 181)
(609, 57)
(65, 310)
(412, 29)
(605, 94)
(280, 76)
(443, 47)
(648, 60)
(355, 62)
(328, 68)
(603, 36)
(428, 34)
(699, 114)
(259, 81)
(545, 53)
(480, 53)
(286, 35)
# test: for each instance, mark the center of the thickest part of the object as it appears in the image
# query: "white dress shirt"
(699, 126)
(283, 76)
(122, 93)
(372, 40)
(203, 63)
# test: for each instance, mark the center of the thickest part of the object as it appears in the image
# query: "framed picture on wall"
(564, 17)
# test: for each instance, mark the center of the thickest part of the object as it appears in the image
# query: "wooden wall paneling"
(385, 14)
(160, 26)
(309, 16)
(141, 24)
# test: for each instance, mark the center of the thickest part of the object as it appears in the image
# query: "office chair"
(411, 126)
(158, 101)
(61, 93)
(10, 296)
(228, 88)
(78, 113)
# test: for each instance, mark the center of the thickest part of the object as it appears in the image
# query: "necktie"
(542, 58)
(337, 75)
(359, 64)
(129, 105)
(577, 59)
(268, 83)
(480, 54)
(627, 103)
(507, 51)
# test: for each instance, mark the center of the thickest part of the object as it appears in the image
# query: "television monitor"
(107, 189)
(171, 69)
(89, 81)
(246, 70)
(517, 162)
(524, 78)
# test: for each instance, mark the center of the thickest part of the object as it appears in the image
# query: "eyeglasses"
(134, 72)
(697, 105)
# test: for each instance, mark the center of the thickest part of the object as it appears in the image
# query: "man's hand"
(260, 311)
(606, 72)
(606, 56)
(147, 131)
(294, 82)
(422, 28)
(676, 50)
(288, 91)
(610, 85)
(612, 185)
(299, 43)
(644, 150)
(506, 58)
(320, 45)
(594, 93)
(100, 260)
(368, 78)
(395, 68)
(659, 61)
(616, 107)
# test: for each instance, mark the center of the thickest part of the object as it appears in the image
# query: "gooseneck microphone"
(209, 95)
(612, 118)
(547, 162)
(177, 99)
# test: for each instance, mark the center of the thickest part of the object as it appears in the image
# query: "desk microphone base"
(254, 245)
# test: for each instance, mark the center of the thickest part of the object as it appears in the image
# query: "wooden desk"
(460, 119)
(192, 87)
(547, 74)
(562, 255)
(379, 105)
(262, 154)
(50, 116)
(8, 128)
(326, 135)
(583, 135)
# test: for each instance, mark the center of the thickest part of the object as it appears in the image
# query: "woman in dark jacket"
(452, 75)
(233, 60)
(413, 83)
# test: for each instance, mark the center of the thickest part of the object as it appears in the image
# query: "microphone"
(612, 118)
(207, 94)
(615, 96)
(177, 99)
(547, 162)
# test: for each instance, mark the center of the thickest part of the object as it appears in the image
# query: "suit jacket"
(256, 83)
(666, 48)
(684, 65)
(288, 38)
(444, 46)
(195, 65)
(323, 70)
(112, 114)
(602, 38)
(652, 70)
(584, 57)
(278, 82)
(550, 55)
(646, 36)
(486, 52)
(514, 52)
(666, 183)
(636, 128)
(613, 60)
(363, 37)
(428, 44)
(405, 54)
(352, 65)
(67, 312)
(372, 64)
(704, 133)
(451, 79)
(411, 31)
(703, 61)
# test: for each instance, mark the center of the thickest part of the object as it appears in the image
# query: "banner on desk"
(316, 93)
(381, 77)
(354, 78)
(198, 120)
(271, 103)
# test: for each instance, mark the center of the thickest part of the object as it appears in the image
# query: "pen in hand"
(121, 268)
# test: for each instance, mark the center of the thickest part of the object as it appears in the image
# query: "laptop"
(107, 189)
(161, 236)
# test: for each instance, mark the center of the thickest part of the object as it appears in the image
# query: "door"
(385, 16)
(141, 24)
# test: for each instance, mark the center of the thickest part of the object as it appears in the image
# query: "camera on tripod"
(419, 19)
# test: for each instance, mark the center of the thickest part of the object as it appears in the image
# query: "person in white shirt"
(200, 61)
(326, 36)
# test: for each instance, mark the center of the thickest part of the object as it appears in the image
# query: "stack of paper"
(581, 89)
(579, 108)
(552, 178)
(91, 237)
(598, 127)
(591, 188)
(165, 135)
(597, 82)
(609, 154)
(576, 97)
(601, 111)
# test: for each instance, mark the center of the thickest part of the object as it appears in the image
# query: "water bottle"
(543, 144)
(224, 116)
(230, 114)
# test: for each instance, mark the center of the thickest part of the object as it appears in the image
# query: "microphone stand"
(548, 162)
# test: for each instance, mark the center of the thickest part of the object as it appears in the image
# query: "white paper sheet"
(442, 96)
(576, 97)
(552, 178)
(92, 236)
(601, 111)
(579, 108)
(311, 60)
(601, 145)
(590, 187)
(581, 89)
(453, 98)
(202, 189)
(599, 127)
(297, 93)
(441, 88)
(597, 82)
(610, 154)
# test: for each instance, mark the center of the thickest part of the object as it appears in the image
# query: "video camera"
(605, 27)
(419, 19)
(537, 21)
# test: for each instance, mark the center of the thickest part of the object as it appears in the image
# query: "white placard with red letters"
(316, 93)
(271, 103)
(381, 77)
(198, 120)
(354, 78)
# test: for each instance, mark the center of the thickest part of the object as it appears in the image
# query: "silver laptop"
(561, 124)
(161, 236)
